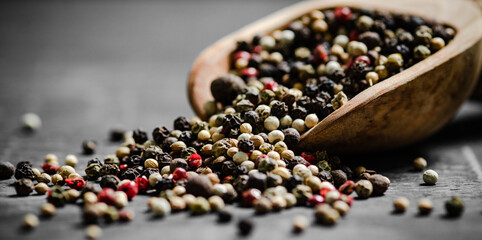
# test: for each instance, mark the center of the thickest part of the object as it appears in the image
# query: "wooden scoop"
(400, 110)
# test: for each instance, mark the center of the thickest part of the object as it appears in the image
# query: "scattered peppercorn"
(454, 207)
(364, 188)
(24, 187)
(430, 177)
(6, 170)
(299, 224)
(419, 163)
(30, 221)
(401, 204)
(245, 227)
(425, 206)
(88, 147)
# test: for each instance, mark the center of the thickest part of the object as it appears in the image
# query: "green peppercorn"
(421, 52)
(454, 207)
(199, 206)
(93, 171)
(394, 62)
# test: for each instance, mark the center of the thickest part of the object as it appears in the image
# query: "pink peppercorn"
(249, 72)
(241, 54)
(271, 85)
(130, 188)
(179, 173)
(348, 187)
(76, 183)
(308, 157)
(320, 55)
(342, 14)
(315, 200)
(353, 35)
(194, 161)
(250, 195)
(123, 167)
(107, 195)
(142, 184)
(50, 168)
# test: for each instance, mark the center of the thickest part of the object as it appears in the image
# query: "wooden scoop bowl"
(400, 110)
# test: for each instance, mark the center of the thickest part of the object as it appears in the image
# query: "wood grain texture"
(419, 100)
(86, 66)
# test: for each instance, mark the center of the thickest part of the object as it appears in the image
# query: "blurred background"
(87, 66)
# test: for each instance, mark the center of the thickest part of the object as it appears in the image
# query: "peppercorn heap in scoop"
(301, 73)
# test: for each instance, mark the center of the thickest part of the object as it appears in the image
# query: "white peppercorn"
(41, 188)
(425, 206)
(93, 232)
(332, 66)
(271, 123)
(419, 163)
(31, 121)
(299, 125)
(341, 206)
(286, 121)
(300, 223)
(364, 188)
(204, 135)
(30, 221)
(245, 128)
(48, 210)
(275, 136)
(430, 177)
(311, 120)
(356, 48)
(401, 204)
(160, 207)
(240, 157)
(71, 160)
(216, 202)
(341, 40)
(51, 158)
(151, 163)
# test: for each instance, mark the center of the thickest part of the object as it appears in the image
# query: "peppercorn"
(88, 147)
(292, 137)
(364, 188)
(425, 206)
(339, 177)
(419, 163)
(380, 184)
(24, 170)
(24, 187)
(48, 210)
(31, 121)
(430, 177)
(93, 171)
(30, 221)
(126, 215)
(58, 196)
(93, 232)
(224, 216)
(326, 215)
(41, 188)
(199, 186)
(299, 223)
(245, 227)
(400, 204)
(454, 207)
(6, 170)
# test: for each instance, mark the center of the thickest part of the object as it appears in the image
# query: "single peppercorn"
(245, 227)
(380, 184)
(30, 221)
(364, 188)
(88, 147)
(24, 187)
(326, 215)
(6, 170)
(400, 204)
(419, 163)
(454, 207)
(425, 206)
(430, 177)
(224, 216)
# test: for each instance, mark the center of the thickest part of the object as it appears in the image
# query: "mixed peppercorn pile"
(279, 86)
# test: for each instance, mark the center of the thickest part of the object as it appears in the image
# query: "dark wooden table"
(88, 66)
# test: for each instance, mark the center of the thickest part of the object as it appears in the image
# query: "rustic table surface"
(88, 66)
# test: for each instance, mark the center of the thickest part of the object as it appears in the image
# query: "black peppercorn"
(295, 161)
(325, 176)
(339, 177)
(88, 147)
(159, 134)
(116, 135)
(292, 182)
(229, 168)
(292, 137)
(139, 136)
(298, 112)
(246, 145)
(24, 170)
(182, 124)
(166, 144)
(245, 227)
(279, 109)
(370, 39)
(273, 180)
(164, 184)
(240, 184)
(178, 163)
(148, 171)
(151, 152)
(109, 169)
(164, 159)
(129, 173)
(24, 186)
(231, 122)
(137, 149)
(134, 160)
(226, 87)
(251, 117)
(109, 181)
(224, 216)
(6, 170)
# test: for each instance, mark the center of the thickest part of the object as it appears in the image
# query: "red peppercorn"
(325, 190)
(320, 55)
(315, 200)
(257, 49)
(249, 72)
(348, 187)
(107, 195)
(76, 183)
(250, 195)
(308, 157)
(362, 58)
(194, 161)
(142, 184)
(342, 14)
(271, 85)
(50, 168)
(179, 173)
(241, 54)
(130, 188)
(123, 167)
(354, 35)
